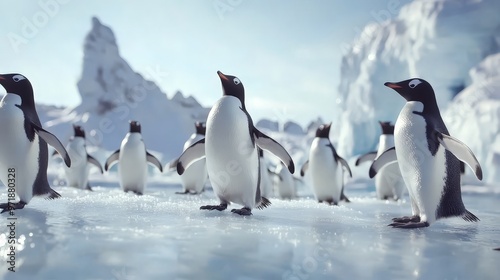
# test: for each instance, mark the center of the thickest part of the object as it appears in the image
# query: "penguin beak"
(222, 76)
(2, 78)
(392, 85)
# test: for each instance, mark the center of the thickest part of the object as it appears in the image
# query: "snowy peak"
(100, 39)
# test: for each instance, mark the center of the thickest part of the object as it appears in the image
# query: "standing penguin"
(133, 159)
(326, 168)
(266, 186)
(78, 174)
(23, 149)
(194, 177)
(285, 185)
(231, 152)
(389, 182)
(428, 157)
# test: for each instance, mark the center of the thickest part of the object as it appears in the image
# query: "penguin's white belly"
(17, 152)
(132, 166)
(194, 177)
(232, 160)
(324, 171)
(285, 186)
(77, 174)
(389, 182)
(266, 187)
(423, 174)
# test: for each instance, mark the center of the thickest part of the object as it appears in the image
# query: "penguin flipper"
(111, 159)
(172, 164)
(366, 157)
(388, 156)
(267, 143)
(344, 163)
(94, 161)
(461, 151)
(154, 161)
(52, 140)
(304, 168)
(190, 155)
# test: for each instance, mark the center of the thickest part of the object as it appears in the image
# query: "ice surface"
(108, 234)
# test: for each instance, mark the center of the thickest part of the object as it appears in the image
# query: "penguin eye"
(18, 78)
(236, 81)
(414, 83)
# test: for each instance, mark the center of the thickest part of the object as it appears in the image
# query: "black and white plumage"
(194, 177)
(389, 183)
(133, 159)
(77, 175)
(23, 143)
(429, 158)
(326, 168)
(230, 149)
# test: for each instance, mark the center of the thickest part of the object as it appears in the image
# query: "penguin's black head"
(135, 126)
(200, 128)
(323, 130)
(387, 128)
(232, 86)
(414, 90)
(79, 132)
(20, 85)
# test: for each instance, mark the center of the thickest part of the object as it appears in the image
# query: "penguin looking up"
(24, 151)
(326, 168)
(388, 183)
(230, 148)
(78, 174)
(133, 159)
(428, 157)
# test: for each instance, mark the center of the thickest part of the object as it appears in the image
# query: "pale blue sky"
(287, 53)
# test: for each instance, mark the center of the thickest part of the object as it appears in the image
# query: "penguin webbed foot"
(245, 211)
(406, 219)
(330, 202)
(11, 206)
(220, 207)
(184, 192)
(409, 225)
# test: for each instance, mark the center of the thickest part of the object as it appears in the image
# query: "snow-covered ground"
(109, 234)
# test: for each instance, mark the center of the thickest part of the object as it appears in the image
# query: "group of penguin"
(417, 153)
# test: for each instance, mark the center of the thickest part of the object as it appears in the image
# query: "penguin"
(78, 174)
(285, 185)
(230, 149)
(266, 186)
(133, 158)
(428, 157)
(326, 168)
(23, 149)
(388, 183)
(194, 177)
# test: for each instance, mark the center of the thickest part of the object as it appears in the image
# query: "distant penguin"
(266, 186)
(194, 177)
(428, 157)
(285, 185)
(230, 148)
(23, 144)
(78, 174)
(326, 168)
(389, 183)
(133, 158)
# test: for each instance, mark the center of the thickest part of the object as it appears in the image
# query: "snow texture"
(109, 234)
